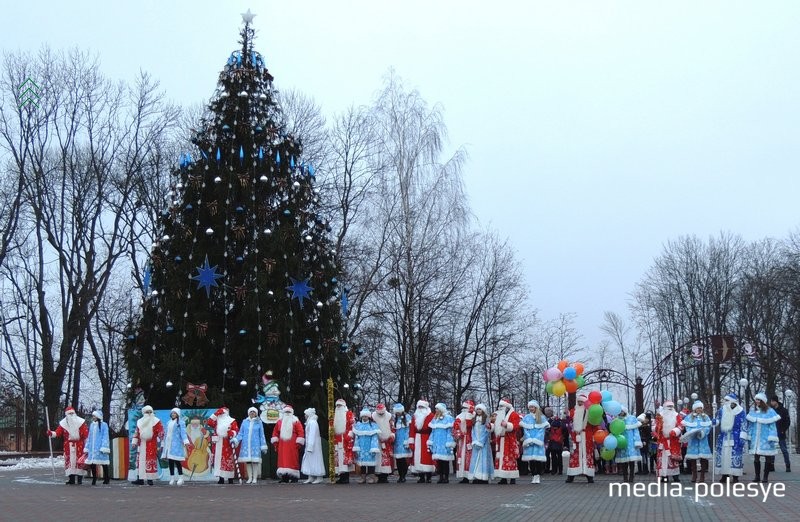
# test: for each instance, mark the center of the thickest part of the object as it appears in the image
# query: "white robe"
(313, 462)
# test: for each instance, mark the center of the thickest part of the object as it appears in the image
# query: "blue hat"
(732, 397)
(398, 408)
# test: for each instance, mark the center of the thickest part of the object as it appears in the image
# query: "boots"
(80, 479)
(106, 476)
(428, 478)
(344, 478)
(362, 479)
(371, 478)
(94, 474)
(71, 481)
(171, 478)
(180, 480)
(317, 480)
(703, 469)
(694, 471)
(757, 469)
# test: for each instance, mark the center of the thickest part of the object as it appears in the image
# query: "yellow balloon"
(559, 389)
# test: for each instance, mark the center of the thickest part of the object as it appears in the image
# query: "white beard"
(194, 433)
(145, 425)
(669, 421)
(383, 422)
(726, 423)
(420, 416)
(72, 423)
(287, 426)
(339, 420)
(579, 419)
(499, 430)
(224, 422)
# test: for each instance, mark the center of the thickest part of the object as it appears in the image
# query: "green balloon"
(607, 454)
(595, 421)
(622, 442)
(616, 427)
(548, 388)
(596, 411)
(581, 381)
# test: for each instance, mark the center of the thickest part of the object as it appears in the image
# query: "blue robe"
(631, 452)
(98, 446)
(441, 441)
(696, 436)
(366, 447)
(401, 448)
(762, 431)
(481, 464)
(251, 440)
(175, 440)
(533, 436)
(730, 444)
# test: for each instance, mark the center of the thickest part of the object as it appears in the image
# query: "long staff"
(713, 440)
(49, 441)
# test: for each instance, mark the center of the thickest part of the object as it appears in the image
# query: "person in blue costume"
(731, 420)
(762, 436)
(174, 446)
(400, 424)
(366, 446)
(441, 441)
(534, 425)
(481, 463)
(628, 456)
(698, 451)
(98, 447)
(252, 443)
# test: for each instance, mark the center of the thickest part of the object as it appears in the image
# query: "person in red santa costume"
(225, 429)
(504, 431)
(148, 436)
(462, 434)
(418, 436)
(667, 435)
(288, 438)
(343, 421)
(581, 460)
(74, 431)
(383, 419)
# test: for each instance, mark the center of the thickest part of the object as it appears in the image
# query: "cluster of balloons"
(563, 378)
(600, 403)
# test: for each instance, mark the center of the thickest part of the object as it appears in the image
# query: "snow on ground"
(32, 463)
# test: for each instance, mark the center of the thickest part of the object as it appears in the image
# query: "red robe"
(668, 456)
(506, 445)
(147, 440)
(344, 445)
(418, 440)
(386, 442)
(74, 434)
(288, 449)
(581, 459)
(462, 433)
(225, 429)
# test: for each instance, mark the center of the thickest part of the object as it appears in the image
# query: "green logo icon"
(28, 93)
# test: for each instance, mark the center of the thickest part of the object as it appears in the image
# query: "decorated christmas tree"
(243, 276)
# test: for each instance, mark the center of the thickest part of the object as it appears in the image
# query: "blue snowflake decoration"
(207, 277)
(299, 289)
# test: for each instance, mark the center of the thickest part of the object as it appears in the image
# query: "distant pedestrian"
(783, 429)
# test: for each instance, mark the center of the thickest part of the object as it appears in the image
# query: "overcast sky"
(596, 131)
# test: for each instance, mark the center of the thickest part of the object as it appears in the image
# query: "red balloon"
(600, 436)
(572, 386)
(595, 397)
(562, 365)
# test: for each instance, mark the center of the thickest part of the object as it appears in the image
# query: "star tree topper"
(207, 277)
(300, 289)
(248, 17)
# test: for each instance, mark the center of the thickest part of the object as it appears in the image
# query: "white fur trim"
(301, 440)
(273, 440)
(288, 471)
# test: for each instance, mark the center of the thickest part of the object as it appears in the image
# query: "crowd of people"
(478, 446)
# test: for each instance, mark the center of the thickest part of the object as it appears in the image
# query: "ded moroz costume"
(225, 430)
(728, 462)
(581, 459)
(288, 437)
(462, 434)
(504, 430)
(418, 436)
(149, 432)
(74, 431)
(343, 437)
(383, 419)
(666, 434)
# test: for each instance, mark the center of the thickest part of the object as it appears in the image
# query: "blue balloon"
(610, 442)
(613, 408)
(606, 396)
(570, 373)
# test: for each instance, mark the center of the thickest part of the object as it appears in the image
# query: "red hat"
(470, 405)
(69, 409)
(507, 403)
(380, 407)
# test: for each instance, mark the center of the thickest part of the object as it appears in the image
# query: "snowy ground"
(32, 463)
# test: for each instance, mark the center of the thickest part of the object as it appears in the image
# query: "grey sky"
(596, 130)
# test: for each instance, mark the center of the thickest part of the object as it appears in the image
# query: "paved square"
(33, 495)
